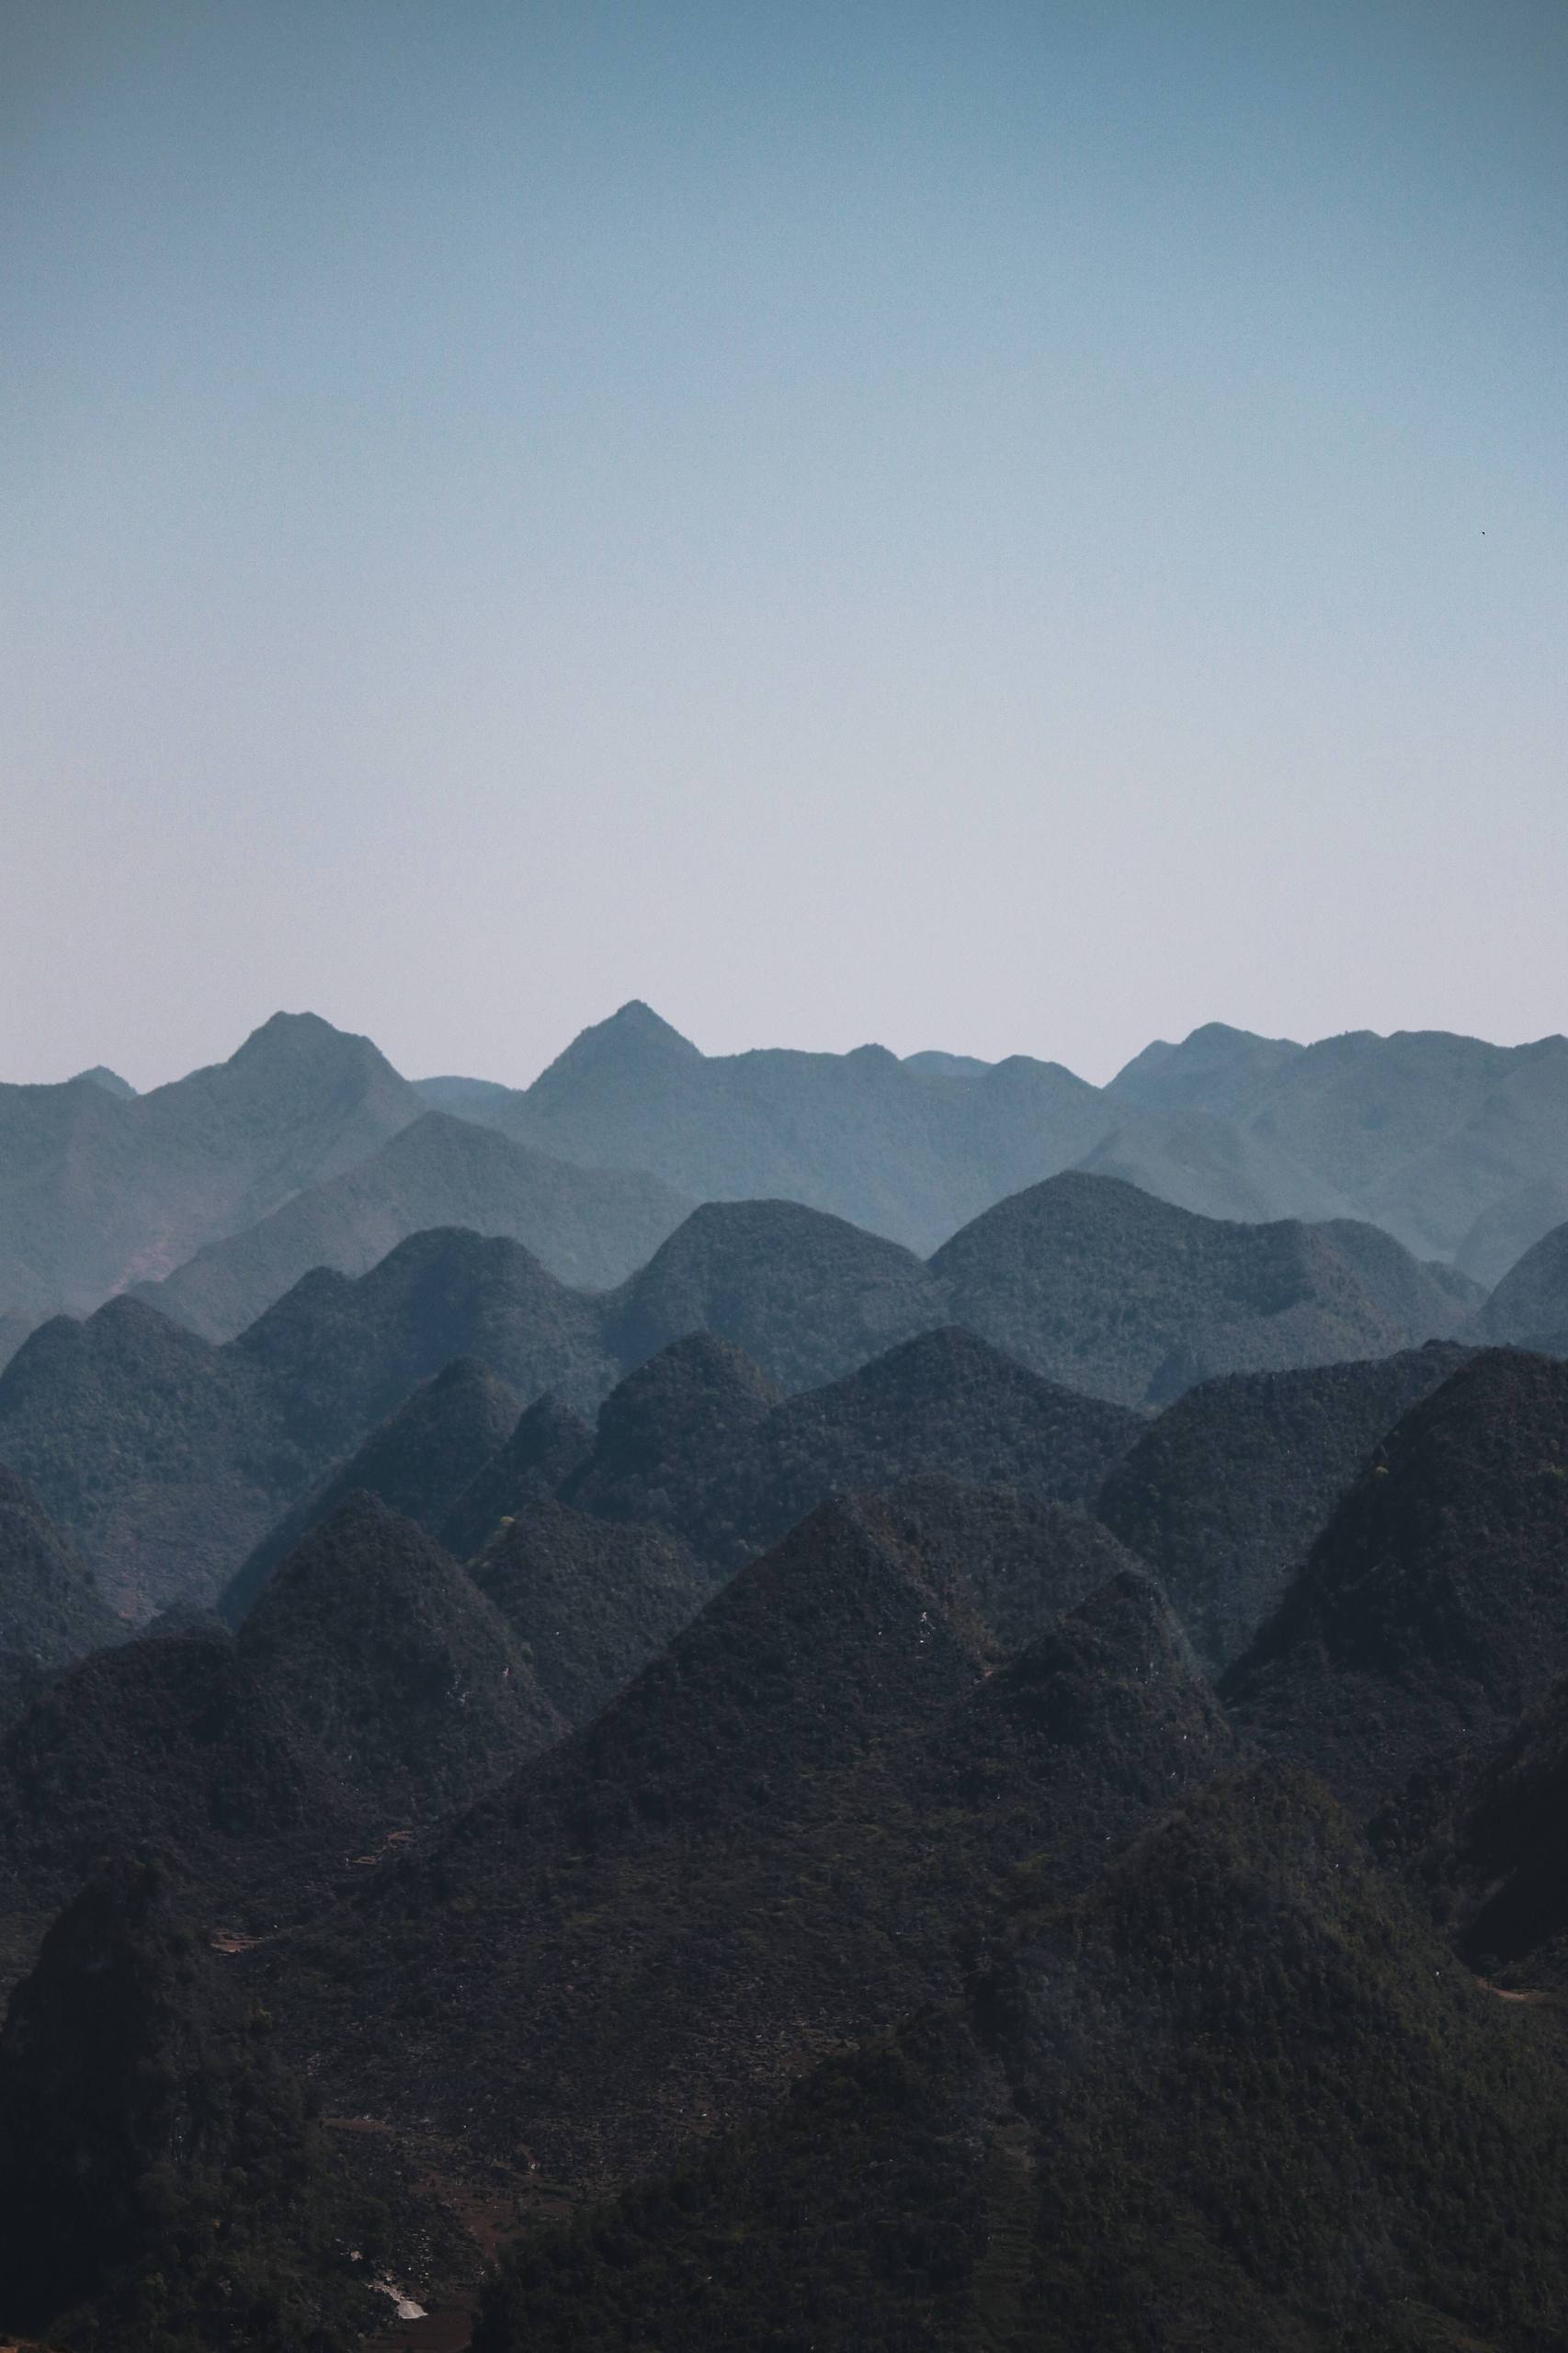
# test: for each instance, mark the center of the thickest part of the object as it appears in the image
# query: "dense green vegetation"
(1227, 1492)
(164, 2183)
(1233, 2096)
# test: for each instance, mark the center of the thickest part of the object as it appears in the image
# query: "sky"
(1012, 528)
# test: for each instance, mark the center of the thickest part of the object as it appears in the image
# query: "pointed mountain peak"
(110, 1081)
(301, 1039)
(548, 1442)
(633, 1040)
(393, 1661)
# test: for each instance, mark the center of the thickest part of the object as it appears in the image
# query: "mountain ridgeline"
(167, 1459)
(216, 1193)
(787, 1703)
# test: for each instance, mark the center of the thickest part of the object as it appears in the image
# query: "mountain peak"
(110, 1081)
(634, 1040)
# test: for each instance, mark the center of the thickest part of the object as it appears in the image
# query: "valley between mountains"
(787, 1701)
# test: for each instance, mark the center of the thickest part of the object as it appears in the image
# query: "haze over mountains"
(708, 1676)
(223, 1188)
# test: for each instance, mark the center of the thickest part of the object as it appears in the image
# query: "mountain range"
(306, 1148)
(166, 1460)
(701, 1707)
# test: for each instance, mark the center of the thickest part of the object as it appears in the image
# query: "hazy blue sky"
(1010, 527)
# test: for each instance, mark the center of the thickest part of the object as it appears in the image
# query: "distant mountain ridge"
(1453, 1145)
(229, 1184)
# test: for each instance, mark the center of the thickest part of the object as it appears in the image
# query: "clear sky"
(1008, 527)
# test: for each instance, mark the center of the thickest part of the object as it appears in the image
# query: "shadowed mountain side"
(1097, 1284)
(51, 1609)
(1226, 1493)
(590, 1601)
(906, 1152)
(591, 1227)
(16, 1325)
(807, 1296)
(1025, 1559)
(1433, 1610)
(1234, 2097)
(161, 1457)
(735, 1865)
(697, 1440)
(343, 1353)
(395, 1664)
(943, 1405)
(99, 1190)
(155, 2162)
(166, 1460)
(1530, 1304)
(1497, 1870)
(169, 1747)
(547, 1445)
(418, 1462)
(666, 1437)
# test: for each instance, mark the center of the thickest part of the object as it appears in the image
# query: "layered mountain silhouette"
(400, 1670)
(1529, 1306)
(548, 1444)
(1432, 1613)
(230, 1184)
(1234, 2096)
(699, 1441)
(903, 1152)
(419, 1462)
(590, 1600)
(1226, 1493)
(50, 1608)
(1454, 1146)
(371, 1686)
(717, 1780)
(167, 1460)
(100, 1188)
(1095, 1283)
(590, 1227)
(744, 1836)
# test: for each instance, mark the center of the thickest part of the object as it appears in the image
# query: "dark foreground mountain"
(99, 1189)
(170, 1747)
(51, 1610)
(666, 1437)
(163, 2180)
(165, 1460)
(1233, 2096)
(372, 1686)
(589, 1601)
(1433, 1610)
(1226, 1493)
(394, 1663)
(591, 1227)
(1094, 1283)
(734, 1867)
(548, 1444)
(419, 1462)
